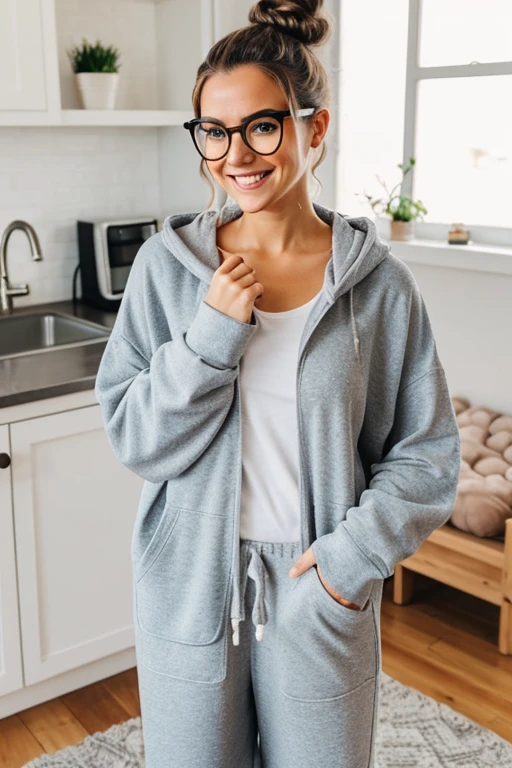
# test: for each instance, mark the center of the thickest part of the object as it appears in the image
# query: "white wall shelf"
(103, 117)
(97, 117)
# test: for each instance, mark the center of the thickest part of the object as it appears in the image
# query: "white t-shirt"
(270, 505)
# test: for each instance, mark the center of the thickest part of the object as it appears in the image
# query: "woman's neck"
(266, 233)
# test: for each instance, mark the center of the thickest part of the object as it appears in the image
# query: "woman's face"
(232, 97)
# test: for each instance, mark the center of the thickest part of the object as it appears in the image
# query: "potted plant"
(96, 71)
(403, 210)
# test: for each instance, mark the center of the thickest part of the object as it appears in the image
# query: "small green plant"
(94, 58)
(399, 207)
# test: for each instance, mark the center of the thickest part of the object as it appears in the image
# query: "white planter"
(97, 90)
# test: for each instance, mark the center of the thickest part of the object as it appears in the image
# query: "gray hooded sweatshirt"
(379, 448)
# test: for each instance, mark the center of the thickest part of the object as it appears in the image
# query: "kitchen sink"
(46, 331)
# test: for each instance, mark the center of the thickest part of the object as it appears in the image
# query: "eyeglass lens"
(263, 135)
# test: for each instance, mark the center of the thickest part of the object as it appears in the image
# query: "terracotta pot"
(402, 230)
(97, 89)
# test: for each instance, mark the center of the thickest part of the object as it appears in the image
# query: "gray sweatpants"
(304, 695)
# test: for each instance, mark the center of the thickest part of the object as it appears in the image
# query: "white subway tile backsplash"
(51, 177)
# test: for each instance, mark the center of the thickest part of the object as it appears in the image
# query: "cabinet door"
(10, 647)
(22, 82)
(74, 508)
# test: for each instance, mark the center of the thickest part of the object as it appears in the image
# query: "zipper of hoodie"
(236, 534)
(304, 524)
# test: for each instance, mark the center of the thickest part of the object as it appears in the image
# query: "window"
(433, 81)
(458, 120)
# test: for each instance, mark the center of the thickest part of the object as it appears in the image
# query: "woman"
(273, 376)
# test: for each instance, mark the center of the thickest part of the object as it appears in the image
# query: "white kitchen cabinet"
(67, 562)
(11, 678)
(28, 62)
(22, 85)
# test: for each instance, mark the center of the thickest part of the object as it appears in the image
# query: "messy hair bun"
(300, 19)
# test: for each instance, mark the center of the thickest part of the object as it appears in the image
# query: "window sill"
(476, 257)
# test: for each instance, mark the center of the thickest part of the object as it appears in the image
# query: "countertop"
(56, 372)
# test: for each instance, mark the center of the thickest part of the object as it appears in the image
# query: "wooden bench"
(479, 566)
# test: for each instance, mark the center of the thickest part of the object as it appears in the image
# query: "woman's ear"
(321, 124)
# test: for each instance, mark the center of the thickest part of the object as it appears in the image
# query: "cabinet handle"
(5, 460)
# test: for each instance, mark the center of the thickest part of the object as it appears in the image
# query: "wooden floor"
(443, 644)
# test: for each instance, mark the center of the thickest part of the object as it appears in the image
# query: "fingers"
(305, 561)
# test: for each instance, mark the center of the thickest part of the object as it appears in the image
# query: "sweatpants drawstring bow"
(256, 570)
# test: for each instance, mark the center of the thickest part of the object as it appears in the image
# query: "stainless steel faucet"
(7, 291)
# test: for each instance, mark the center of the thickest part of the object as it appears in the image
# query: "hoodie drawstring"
(256, 570)
(354, 326)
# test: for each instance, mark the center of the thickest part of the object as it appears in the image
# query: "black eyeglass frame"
(278, 114)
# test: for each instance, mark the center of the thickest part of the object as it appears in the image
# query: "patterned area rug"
(414, 731)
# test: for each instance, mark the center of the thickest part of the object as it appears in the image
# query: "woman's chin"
(250, 206)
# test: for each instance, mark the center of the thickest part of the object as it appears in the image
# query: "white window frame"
(500, 236)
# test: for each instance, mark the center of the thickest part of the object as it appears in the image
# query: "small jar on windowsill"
(458, 235)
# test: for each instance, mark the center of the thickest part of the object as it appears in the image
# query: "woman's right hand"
(234, 289)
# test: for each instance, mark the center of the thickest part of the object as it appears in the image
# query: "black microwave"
(106, 252)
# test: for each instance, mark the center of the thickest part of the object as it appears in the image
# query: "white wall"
(471, 314)
(373, 52)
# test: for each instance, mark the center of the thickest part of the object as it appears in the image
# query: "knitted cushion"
(484, 494)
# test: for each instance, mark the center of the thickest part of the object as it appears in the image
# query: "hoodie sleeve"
(414, 484)
(162, 409)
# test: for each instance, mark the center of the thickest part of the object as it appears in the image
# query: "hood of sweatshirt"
(356, 248)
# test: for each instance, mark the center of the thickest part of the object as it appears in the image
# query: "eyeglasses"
(262, 132)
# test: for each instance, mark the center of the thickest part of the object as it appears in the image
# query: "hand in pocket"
(306, 561)
(335, 595)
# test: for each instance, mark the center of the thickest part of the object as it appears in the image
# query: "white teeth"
(249, 179)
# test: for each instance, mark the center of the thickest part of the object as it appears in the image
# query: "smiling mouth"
(250, 181)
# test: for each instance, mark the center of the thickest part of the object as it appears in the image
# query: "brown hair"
(278, 41)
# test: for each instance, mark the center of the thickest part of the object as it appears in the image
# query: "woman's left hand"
(305, 562)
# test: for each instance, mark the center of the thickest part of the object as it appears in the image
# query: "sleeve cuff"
(345, 567)
(219, 339)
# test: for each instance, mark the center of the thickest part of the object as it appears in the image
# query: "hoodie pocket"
(181, 589)
(325, 649)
